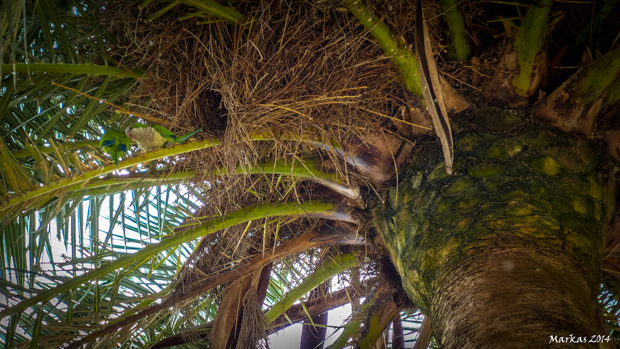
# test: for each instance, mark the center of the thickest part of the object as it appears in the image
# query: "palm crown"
(309, 115)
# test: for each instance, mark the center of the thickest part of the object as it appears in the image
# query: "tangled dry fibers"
(297, 71)
(304, 70)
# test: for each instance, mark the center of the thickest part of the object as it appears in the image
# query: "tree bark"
(506, 251)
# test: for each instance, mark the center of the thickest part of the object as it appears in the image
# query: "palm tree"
(331, 152)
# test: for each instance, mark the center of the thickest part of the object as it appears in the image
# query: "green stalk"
(139, 179)
(10, 332)
(38, 326)
(96, 173)
(322, 273)
(99, 189)
(166, 8)
(458, 48)
(400, 56)
(226, 221)
(227, 14)
(351, 328)
(68, 146)
(589, 83)
(309, 170)
(613, 93)
(76, 69)
(10, 14)
(529, 42)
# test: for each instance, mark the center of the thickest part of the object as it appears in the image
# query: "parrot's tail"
(185, 137)
(115, 155)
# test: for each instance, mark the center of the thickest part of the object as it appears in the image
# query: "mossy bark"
(506, 252)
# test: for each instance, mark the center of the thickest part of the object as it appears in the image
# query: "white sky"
(289, 337)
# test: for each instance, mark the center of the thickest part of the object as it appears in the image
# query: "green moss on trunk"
(520, 205)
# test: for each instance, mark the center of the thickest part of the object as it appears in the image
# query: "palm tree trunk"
(506, 252)
(514, 294)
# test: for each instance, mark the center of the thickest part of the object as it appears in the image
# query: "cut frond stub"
(433, 98)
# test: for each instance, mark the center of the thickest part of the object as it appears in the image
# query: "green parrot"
(151, 137)
(114, 143)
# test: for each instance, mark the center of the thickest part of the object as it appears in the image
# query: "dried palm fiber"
(304, 70)
(252, 334)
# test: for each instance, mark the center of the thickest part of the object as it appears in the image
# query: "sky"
(289, 337)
